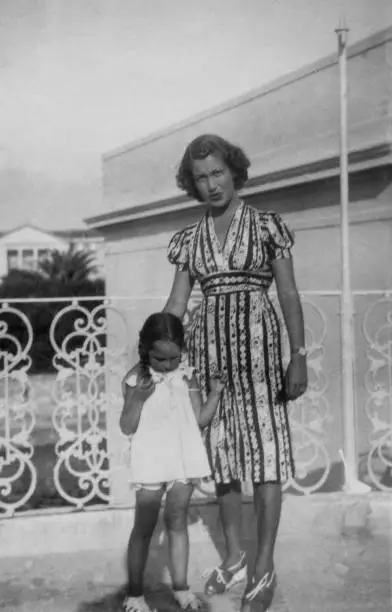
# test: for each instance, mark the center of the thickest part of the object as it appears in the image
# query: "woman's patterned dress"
(237, 331)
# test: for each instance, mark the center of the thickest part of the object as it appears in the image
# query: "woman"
(235, 252)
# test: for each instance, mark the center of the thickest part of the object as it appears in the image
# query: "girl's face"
(214, 181)
(165, 356)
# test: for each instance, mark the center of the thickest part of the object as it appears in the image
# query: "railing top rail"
(112, 298)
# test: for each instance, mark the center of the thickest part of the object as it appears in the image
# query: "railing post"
(349, 455)
(347, 337)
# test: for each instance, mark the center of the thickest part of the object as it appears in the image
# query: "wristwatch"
(301, 350)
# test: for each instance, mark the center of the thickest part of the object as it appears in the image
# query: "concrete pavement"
(333, 555)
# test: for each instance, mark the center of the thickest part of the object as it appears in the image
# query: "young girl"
(162, 415)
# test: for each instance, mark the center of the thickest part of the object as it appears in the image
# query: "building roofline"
(375, 40)
(31, 226)
(89, 231)
(359, 160)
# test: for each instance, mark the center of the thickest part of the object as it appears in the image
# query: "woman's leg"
(148, 503)
(233, 568)
(268, 503)
(262, 580)
(176, 521)
(230, 512)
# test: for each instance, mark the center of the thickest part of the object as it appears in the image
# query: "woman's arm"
(179, 294)
(289, 301)
(296, 379)
(176, 304)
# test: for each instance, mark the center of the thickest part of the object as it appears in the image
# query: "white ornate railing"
(377, 331)
(53, 426)
(81, 398)
(16, 412)
(311, 413)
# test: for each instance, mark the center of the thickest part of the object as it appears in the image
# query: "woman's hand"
(296, 379)
(218, 383)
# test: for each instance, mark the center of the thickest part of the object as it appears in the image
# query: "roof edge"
(31, 226)
(65, 234)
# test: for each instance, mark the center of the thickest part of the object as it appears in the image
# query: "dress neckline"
(225, 248)
(177, 374)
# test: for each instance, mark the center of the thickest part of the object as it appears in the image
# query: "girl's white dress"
(167, 445)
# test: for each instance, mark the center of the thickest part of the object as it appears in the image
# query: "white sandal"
(187, 600)
(136, 604)
(220, 580)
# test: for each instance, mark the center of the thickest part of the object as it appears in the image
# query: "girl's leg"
(268, 502)
(148, 503)
(230, 511)
(176, 521)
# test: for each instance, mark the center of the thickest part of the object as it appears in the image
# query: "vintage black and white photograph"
(195, 305)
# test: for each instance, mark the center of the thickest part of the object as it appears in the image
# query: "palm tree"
(72, 266)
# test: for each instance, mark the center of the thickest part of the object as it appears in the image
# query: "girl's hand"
(144, 388)
(135, 395)
(296, 379)
(218, 382)
(134, 370)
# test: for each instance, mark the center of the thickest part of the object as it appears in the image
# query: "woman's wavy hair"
(159, 326)
(200, 148)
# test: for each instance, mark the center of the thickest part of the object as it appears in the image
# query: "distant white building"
(24, 246)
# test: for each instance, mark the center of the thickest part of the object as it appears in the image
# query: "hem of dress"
(167, 484)
(277, 481)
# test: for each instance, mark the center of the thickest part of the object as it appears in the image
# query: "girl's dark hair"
(200, 148)
(159, 326)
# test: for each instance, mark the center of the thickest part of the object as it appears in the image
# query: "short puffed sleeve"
(280, 238)
(178, 249)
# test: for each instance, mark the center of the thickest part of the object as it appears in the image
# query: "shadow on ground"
(157, 590)
(159, 598)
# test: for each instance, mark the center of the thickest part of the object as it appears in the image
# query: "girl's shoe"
(187, 600)
(222, 579)
(136, 604)
(258, 597)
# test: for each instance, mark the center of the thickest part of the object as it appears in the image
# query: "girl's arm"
(134, 400)
(204, 412)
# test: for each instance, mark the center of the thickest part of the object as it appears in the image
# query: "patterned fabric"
(237, 332)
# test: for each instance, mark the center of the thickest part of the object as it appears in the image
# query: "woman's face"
(213, 180)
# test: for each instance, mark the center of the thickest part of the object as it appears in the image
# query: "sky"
(79, 78)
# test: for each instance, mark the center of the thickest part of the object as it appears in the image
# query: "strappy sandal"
(187, 600)
(222, 579)
(259, 596)
(136, 604)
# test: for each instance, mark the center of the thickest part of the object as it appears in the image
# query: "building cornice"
(359, 160)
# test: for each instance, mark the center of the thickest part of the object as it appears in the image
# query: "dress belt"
(234, 283)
